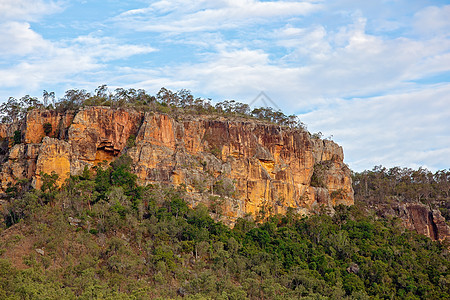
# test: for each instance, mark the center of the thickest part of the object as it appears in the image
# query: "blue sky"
(375, 75)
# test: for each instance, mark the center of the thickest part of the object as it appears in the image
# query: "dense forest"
(102, 236)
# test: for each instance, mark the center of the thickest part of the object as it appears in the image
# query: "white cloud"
(51, 65)
(433, 21)
(106, 49)
(319, 65)
(18, 39)
(36, 62)
(189, 16)
(409, 129)
(27, 10)
(304, 43)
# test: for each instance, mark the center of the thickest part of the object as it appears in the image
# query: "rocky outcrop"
(423, 220)
(20, 164)
(101, 133)
(54, 156)
(415, 216)
(37, 119)
(251, 164)
(87, 138)
(7, 130)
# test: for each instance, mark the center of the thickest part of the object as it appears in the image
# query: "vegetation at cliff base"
(102, 236)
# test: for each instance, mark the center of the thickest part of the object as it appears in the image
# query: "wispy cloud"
(408, 129)
(191, 16)
(433, 21)
(48, 61)
(318, 64)
(34, 62)
(26, 10)
(106, 49)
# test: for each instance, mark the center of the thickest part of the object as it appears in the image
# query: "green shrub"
(131, 142)
(338, 194)
(17, 137)
(47, 128)
(224, 187)
(317, 178)
(216, 151)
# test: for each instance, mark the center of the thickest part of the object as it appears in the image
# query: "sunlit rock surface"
(252, 165)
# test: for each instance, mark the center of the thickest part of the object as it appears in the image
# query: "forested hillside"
(103, 236)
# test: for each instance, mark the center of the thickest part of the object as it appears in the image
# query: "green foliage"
(216, 151)
(224, 187)
(317, 178)
(20, 208)
(216, 204)
(121, 173)
(49, 186)
(177, 103)
(338, 194)
(277, 117)
(317, 135)
(103, 236)
(102, 181)
(102, 239)
(17, 138)
(131, 142)
(47, 128)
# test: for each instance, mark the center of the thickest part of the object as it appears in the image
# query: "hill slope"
(103, 236)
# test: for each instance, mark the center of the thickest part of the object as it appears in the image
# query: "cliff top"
(180, 105)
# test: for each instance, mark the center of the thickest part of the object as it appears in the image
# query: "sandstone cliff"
(425, 221)
(418, 217)
(251, 164)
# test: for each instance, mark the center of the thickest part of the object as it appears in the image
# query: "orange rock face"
(7, 130)
(3, 131)
(100, 133)
(21, 164)
(37, 120)
(54, 156)
(253, 166)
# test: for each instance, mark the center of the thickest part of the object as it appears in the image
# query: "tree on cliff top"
(177, 103)
(15, 110)
(46, 96)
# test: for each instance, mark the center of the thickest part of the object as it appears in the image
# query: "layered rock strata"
(250, 164)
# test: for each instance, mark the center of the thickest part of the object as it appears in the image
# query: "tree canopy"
(165, 101)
